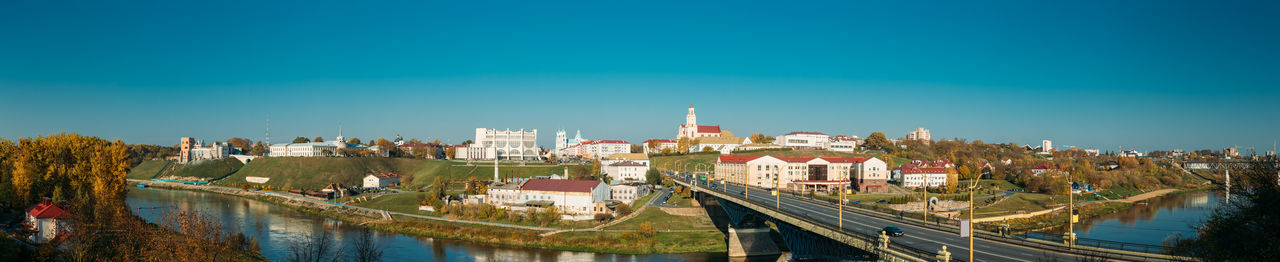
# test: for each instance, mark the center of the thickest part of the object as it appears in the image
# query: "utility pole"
(973, 186)
(777, 193)
(1071, 212)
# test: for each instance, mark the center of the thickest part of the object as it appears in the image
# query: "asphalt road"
(915, 236)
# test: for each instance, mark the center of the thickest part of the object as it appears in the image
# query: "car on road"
(892, 231)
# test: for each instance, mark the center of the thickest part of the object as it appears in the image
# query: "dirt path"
(1147, 195)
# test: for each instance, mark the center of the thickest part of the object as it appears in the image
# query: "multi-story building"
(563, 141)
(628, 193)
(804, 173)
(843, 144)
(634, 157)
(514, 145)
(595, 149)
(626, 172)
(804, 140)
(575, 197)
(315, 149)
(915, 177)
(505, 193)
(1046, 146)
(920, 134)
(191, 149)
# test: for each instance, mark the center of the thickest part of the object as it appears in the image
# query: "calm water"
(1161, 218)
(275, 226)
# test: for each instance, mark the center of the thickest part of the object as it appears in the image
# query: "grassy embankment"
(148, 169)
(316, 172)
(202, 170)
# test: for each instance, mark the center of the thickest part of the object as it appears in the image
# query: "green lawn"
(1028, 202)
(316, 172)
(666, 242)
(663, 221)
(147, 169)
(208, 169)
(680, 201)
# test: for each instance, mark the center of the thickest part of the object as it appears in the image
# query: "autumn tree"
(877, 140)
(258, 149)
(301, 140)
(354, 141)
(318, 139)
(242, 144)
(953, 181)
(683, 144)
(653, 176)
(653, 144)
(759, 138)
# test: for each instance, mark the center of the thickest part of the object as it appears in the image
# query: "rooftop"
(560, 185)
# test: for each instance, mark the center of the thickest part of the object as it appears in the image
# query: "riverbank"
(477, 232)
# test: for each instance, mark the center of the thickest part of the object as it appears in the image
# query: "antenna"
(268, 138)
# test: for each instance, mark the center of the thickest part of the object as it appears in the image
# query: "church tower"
(562, 140)
(691, 120)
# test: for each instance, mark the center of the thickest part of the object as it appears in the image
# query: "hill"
(200, 170)
(316, 172)
(148, 169)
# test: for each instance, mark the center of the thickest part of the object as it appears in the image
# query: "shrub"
(603, 217)
(623, 209)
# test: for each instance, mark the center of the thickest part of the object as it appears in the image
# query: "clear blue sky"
(1096, 74)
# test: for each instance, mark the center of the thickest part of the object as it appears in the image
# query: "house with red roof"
(1041, 168)
(573, 197)
(803, 174)
(47, 221)
(381, 180)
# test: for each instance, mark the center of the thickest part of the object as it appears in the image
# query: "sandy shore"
(1147, 195)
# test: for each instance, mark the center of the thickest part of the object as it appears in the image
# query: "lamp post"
(972, 187)
(777, 193)
(1071, 213)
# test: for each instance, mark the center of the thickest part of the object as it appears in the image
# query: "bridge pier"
(745, 242)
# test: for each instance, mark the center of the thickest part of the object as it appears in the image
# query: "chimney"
(46, 201)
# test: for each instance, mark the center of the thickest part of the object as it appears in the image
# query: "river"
(1161, 218)
(276, 226)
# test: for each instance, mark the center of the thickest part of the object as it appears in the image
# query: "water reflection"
(275, 226)
(1160, 218)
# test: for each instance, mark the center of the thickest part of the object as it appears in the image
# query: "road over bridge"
(920, 242)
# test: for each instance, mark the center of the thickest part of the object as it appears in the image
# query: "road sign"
(964, 228)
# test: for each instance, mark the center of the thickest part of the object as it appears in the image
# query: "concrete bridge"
(812, 230)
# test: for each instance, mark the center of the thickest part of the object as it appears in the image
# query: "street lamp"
(777, 194)
(1071, 211)
(972, 187)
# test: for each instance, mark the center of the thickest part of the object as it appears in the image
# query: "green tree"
(653, 177)
(877, 140)
(301, 140)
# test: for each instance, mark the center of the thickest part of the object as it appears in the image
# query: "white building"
(920, 134)
(563, 141)
(191, 149)
(314, 149)
(574, 197)
(636, 157)
(518, 145)
(628, 193)
(381, 180)
(804, 173)
(843, 144)
(626, 171)
(505, 193)
(596, 149)
(805, 140)
(1046, 146)
(47, 220)
(916, 177)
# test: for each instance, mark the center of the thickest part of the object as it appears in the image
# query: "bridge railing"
(1097, 243)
